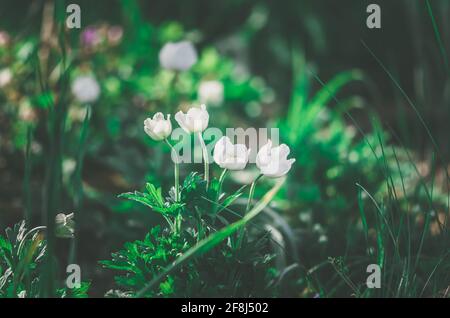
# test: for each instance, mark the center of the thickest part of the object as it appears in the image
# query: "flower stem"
(221, 178)
(249, 203)
(205, 158)
(251, 193)
(219, 189)
(176, 172)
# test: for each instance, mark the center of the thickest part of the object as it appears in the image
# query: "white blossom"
(273, 161)
(157, 127)
(178, 56)
(229, 156)
(86, 89)
(211, 93)
(194, 121)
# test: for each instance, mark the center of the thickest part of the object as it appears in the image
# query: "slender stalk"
(205, 158)
(78, 184)
(176, 172)
(27, 176)
(221, 178)
(178, 218)
(249, 203)
(251, 193)
(219, 189)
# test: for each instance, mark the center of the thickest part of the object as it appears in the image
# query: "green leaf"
(5, 245)
(153, 199)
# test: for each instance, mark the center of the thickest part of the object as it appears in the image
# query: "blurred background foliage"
(307, 67)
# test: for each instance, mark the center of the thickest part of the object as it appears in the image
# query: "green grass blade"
(362, 213)
(422, 121)
(27, 177)
(437, 35)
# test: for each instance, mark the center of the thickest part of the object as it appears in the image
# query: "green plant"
(22, 253)
(205, 250)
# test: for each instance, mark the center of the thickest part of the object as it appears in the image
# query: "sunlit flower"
(194, 121)
(273, 161)
(229, 156)
(86, 89)
(64, 225)
(158, 128)
(5, 77)
(211, 93)
(178, 56)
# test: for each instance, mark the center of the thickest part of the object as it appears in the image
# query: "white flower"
(178, 56)
(194, 121)
(273, 161)
(5, 77)
(85, 88)
(158, 128)
(211, 93)
(229, 156)
(64, 225)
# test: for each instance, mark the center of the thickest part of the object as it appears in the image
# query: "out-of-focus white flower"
(194, 121)
(5, 39)
(86, 89)
(5, 77)
(27, 113)
(323, 238)
(178, 56)
(64, 225)
(273, 161)
(211, 93)
(158, 128)
(229, 156)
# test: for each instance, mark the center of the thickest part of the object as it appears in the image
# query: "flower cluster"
(272, 161)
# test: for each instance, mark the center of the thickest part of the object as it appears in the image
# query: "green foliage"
(20, 257)
(223, 271)
(357, 193)
(199, 260)
(154, 200)
(330, 154)
(21, 265)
